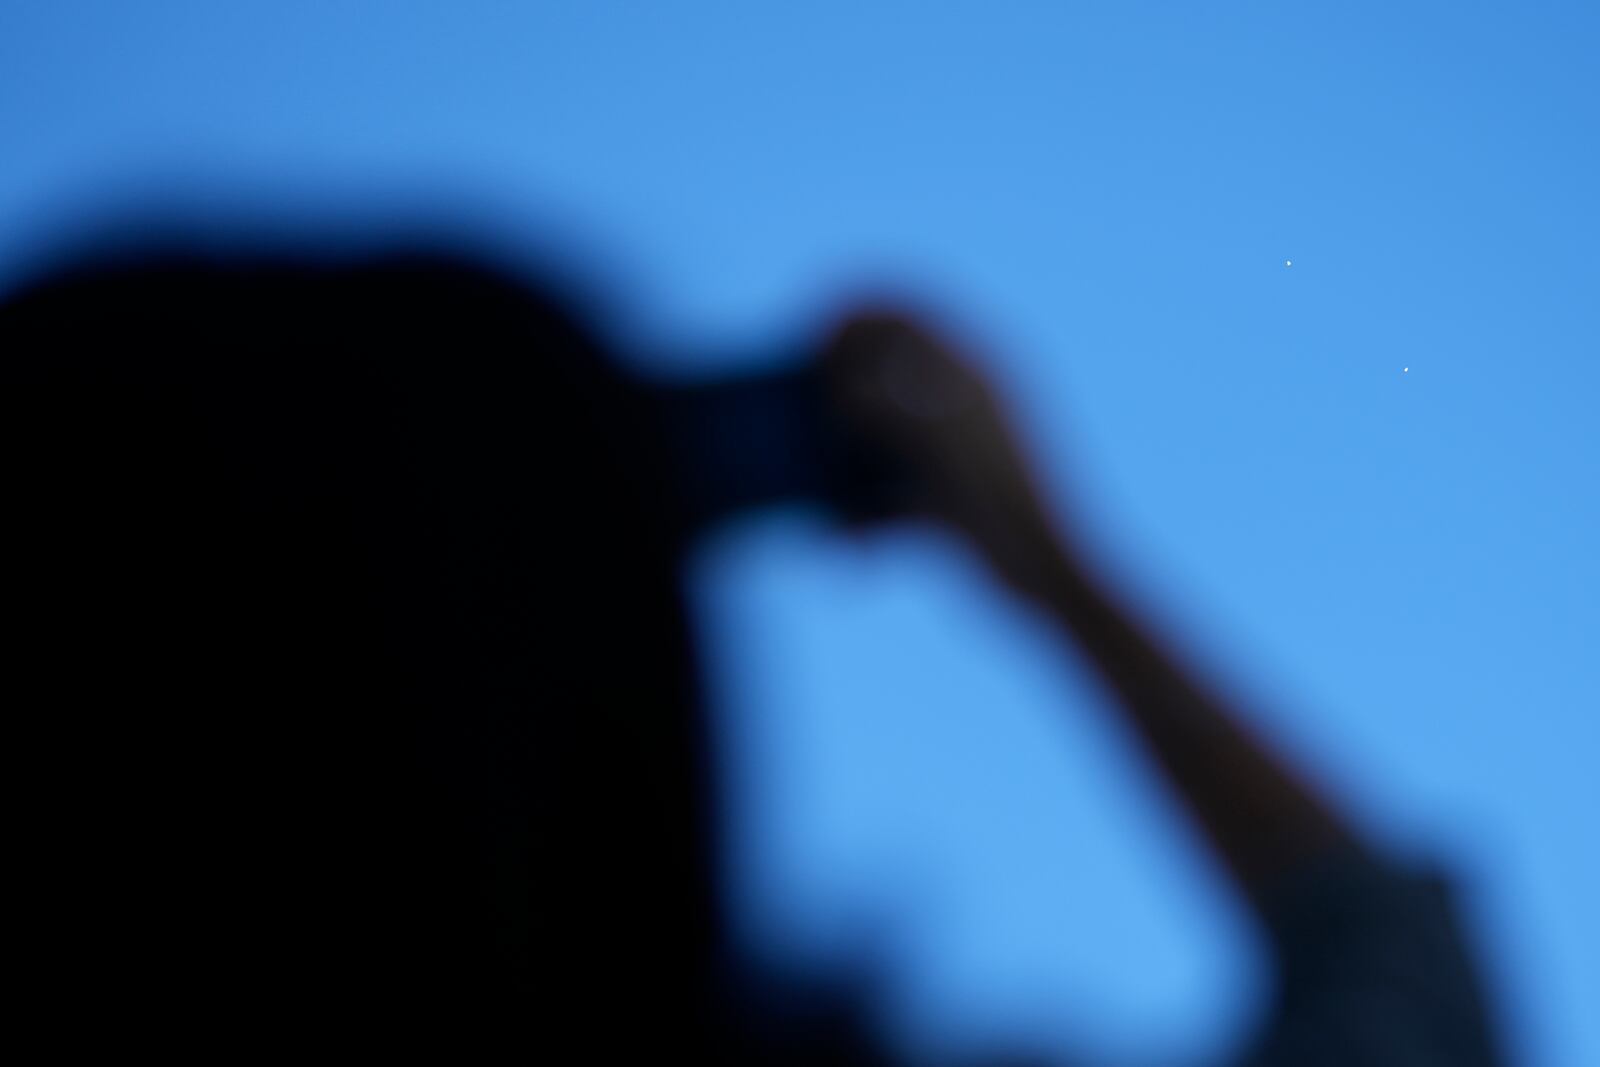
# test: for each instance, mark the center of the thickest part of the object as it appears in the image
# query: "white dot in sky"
(1405, 370)
(1288, 263)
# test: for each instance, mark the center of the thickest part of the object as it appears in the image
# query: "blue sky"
(1397, 566)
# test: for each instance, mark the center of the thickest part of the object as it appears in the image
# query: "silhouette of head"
(365, 692)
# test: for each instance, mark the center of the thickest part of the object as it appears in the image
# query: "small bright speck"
(1288, 263)
(1405, 370)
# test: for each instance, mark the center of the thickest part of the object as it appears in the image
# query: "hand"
(900, 388)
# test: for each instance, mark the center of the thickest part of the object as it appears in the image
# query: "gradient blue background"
(1399, 569)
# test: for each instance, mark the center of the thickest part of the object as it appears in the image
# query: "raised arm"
(907, 391)
(1371, 962)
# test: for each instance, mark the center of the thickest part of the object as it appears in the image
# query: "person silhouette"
(357, 708)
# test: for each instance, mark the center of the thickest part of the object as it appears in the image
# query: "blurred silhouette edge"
(359, 702)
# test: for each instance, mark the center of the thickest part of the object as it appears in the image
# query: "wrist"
(1041, 566)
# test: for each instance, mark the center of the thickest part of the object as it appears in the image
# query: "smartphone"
(760, 439)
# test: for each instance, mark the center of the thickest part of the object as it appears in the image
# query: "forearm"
(1262, 820)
